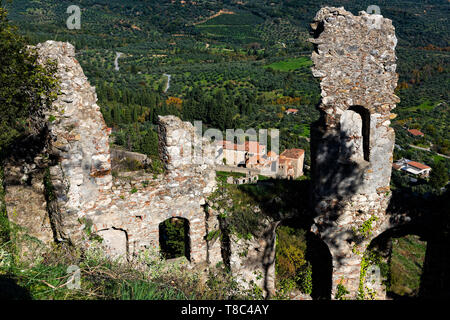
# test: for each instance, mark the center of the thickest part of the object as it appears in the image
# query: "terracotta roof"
(418, 165)
(292, 110)
(271, 154)
(415, 132)
(293, 153)
(251, 146)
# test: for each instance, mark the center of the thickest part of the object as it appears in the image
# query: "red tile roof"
(292, 153)
(415, 132)
(292, 110)
(418, 165)
(250, 146)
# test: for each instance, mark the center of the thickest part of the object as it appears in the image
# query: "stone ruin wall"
(125, 212)
(352, 143)
(355, 60)
(249, 260)
(74, 161)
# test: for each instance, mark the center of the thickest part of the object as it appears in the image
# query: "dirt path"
(116, 62)
(221, 12)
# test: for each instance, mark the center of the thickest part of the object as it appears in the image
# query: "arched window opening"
(302, 262)
(174, 238)
(402, 254)
(355, 134)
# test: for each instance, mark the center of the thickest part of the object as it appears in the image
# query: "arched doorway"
(400, 255)
(303, 261)
(355, 134)
(174, 238)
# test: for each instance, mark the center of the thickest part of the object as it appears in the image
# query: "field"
(408, 255)
(290, 64)
(424, 106)
(237, 27)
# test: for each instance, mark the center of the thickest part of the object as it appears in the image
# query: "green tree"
(439, 175)
(150, 143)
(26, 87)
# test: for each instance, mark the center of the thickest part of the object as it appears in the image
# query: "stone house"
(236, 155)
(291, 163)
(291, 111)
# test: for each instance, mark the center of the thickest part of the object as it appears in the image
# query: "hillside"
(201, 48)
(242, 64)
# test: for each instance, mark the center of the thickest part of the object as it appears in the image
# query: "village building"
(267, 165)
(291, 163)
(236, 155)
(413, 167)
(416, 133)
(253, 155)
(291, 111)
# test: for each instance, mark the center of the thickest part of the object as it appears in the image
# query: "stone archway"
(174, 240)
(115, 243)
(390, 249)
(315, 278)
(355, 133)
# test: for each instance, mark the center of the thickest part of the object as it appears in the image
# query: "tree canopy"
(26, 87)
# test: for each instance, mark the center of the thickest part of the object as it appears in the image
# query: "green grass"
(145, 290)
(408, 255)
(239, 27)
(437, 158)
(290, 64)
(306, 131)
(424, 106)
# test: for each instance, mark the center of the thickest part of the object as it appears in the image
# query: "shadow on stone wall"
(320, 258)
(334, 177)
(288, 203)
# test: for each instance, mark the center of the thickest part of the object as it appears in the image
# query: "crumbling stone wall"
(352, 144)
(23, 192)
(83, 198)
(250, 261)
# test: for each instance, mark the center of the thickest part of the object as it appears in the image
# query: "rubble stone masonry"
(84, 197)
(352, 144)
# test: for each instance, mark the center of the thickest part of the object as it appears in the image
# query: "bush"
(25, 86)
(292, 269)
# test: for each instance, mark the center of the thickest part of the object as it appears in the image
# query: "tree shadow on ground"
(288, 202)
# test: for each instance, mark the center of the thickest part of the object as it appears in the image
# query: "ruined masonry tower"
(352, 143)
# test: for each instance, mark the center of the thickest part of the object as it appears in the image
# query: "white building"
(413, 167)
